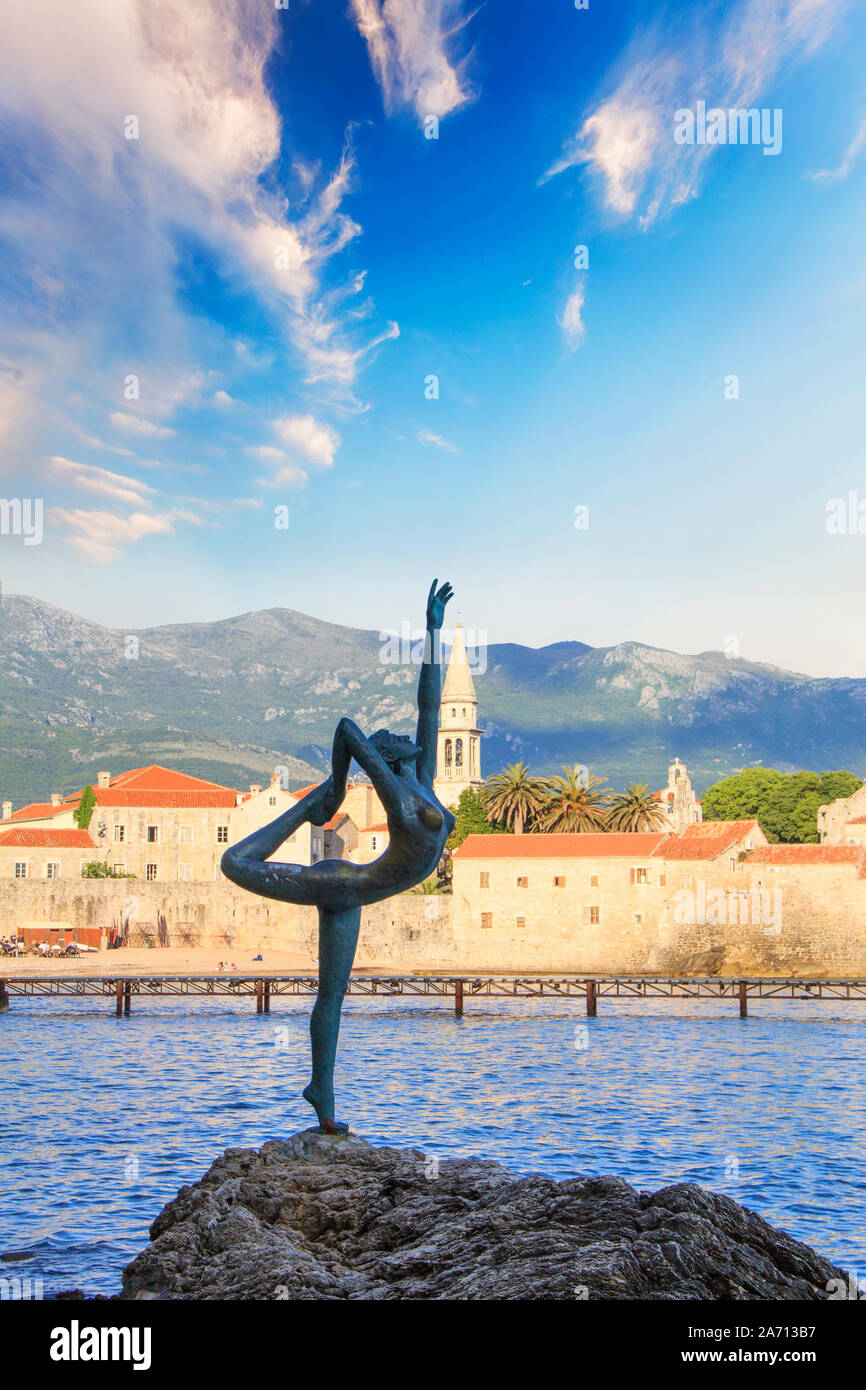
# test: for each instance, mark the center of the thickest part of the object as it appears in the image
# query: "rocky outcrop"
(319, 1216)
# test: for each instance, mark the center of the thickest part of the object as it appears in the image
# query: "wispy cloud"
(846, 164)
(187, 83)
(408, 43)
(571, 320)
(102, 536)
(436, 440)
(92, 479)
(626, 139)
(136, 424)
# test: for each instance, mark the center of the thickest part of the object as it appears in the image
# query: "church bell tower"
(458, 754)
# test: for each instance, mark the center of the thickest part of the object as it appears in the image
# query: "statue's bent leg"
(338, 938)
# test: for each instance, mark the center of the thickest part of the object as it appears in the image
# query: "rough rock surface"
(317, 1216)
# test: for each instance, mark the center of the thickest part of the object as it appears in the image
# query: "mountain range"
(235, 699)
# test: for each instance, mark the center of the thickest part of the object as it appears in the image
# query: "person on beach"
(402, 773)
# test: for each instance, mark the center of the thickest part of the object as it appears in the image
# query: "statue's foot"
(324, 1108)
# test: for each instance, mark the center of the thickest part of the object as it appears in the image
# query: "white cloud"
(407, 41)
(571, 321)
(101, 536)
(222, 398)
(92, 479)
(307, 437)
(846, 164)
(136, 424)
(428, 437)
(626, 140)
(208, 133)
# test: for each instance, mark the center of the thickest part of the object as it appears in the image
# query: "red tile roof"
(857, 820)
(46, 838)
(167, 800)
(634, 845)
(383, 825)
(155, 778)
(806, 854)
(38, 810)
(706, 839)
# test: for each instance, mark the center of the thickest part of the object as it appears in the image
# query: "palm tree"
(635, 809)
(513, 797)
(575, 802)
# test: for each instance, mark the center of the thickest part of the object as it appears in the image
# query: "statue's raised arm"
(430, 685)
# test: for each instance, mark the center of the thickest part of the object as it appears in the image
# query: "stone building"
(843, 822)
(535, 900)
(28, 852)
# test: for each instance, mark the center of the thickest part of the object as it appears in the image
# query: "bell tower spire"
(458, 758)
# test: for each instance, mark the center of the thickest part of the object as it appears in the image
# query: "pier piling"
(744, 1006)
(458, 998)
(267, 997)
(118, 994)
(260, 996)
(591, 999)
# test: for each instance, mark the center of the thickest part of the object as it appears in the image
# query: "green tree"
(635, 809)
(513, 797)
(576, 802)
(472, 818)
(97, 868)
(84, 810)
(785, 805)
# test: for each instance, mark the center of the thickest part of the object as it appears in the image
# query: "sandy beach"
(169, 960)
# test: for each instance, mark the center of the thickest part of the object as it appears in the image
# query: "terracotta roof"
(303, 791)
(806, 854)
(46, 838)
(166, 799)
(155, 778)
(38, 810)
(857, 820)
(627, 845)
(711, 828)
(339, 819)
(383, 825)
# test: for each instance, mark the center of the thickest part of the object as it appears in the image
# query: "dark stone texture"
(331, 1216)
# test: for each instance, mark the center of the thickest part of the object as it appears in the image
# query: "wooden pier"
(589, 988)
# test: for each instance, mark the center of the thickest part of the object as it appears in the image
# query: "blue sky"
(282, 259)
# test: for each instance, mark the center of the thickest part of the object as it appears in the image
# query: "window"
(640, 875)
(487, 919)
(638, 919)
(184, 835)
(595, 915)
(663, 878)
(150, 873)
(152, 835)
(520, 921)
(483, 879)
(184, 872)
(458, 752)
(523, 883)
(558, 881)
(119, 834)
(685, 879)
(222, 834)
(732, 864)
(272, 801)
(374, 842)
(52, 869)
(448, 752)
(454, 714)
(593, 882)
(119, 868)
(20, 868)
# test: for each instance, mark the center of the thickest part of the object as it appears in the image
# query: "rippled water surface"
(103, 1119)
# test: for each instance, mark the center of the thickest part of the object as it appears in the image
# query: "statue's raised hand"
(436, 601)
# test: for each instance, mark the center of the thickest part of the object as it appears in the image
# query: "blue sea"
(103, 1119)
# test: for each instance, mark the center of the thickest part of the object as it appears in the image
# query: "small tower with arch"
(458, 753)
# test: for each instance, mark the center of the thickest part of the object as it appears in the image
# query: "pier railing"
(590, 988)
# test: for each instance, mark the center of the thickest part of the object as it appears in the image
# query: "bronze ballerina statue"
(402, 773)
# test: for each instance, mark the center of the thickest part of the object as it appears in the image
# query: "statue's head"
(394, 748)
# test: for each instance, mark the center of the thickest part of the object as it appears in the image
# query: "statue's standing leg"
(338, 938)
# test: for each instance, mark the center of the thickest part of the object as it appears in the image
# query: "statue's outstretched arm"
(430, 685)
